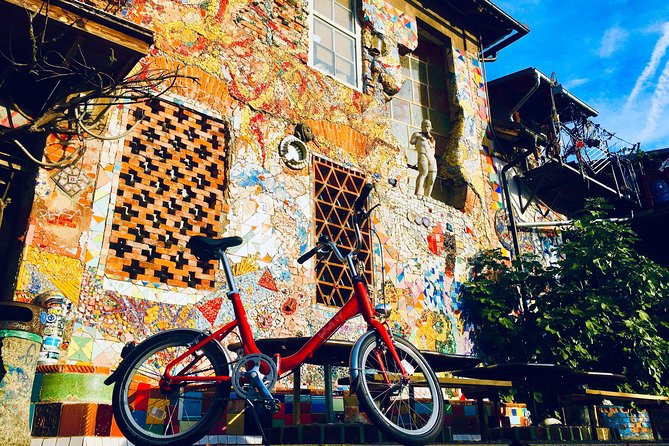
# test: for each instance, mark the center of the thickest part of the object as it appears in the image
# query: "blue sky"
(613, 55)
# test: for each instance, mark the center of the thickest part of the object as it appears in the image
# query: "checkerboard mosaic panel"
(171, 186)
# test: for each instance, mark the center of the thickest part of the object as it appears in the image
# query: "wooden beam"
(89, 24)
(447, 381)
(625, 396)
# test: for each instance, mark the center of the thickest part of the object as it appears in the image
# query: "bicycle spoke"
(403, 398)
(149, 373)
(179, 412)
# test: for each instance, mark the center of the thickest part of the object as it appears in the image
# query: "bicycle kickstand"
(249, 405)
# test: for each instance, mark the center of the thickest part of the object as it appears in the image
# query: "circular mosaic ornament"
(294, 152)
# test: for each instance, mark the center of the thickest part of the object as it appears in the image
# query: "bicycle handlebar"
(362, 198)
(326, 245)
(307, 255)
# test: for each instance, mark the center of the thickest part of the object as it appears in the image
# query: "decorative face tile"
(71, 180)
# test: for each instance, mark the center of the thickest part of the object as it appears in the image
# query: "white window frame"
(355, 35)
(410, 151)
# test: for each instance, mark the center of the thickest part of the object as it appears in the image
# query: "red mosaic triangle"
(210, 309)
(267, 281)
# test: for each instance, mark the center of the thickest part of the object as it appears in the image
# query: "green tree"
(602, 307)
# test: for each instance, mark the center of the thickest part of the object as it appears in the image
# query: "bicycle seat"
(209, 248)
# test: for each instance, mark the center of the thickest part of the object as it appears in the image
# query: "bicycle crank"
(254, 376)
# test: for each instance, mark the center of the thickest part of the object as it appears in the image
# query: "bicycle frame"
(360, 304)
(384, 370)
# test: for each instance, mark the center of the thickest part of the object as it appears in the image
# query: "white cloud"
(572, 83)
(629, 124)
(658, 104)
(612, 39)
(652, 65)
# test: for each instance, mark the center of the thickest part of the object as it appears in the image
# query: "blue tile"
(192, 406)
(37, 387)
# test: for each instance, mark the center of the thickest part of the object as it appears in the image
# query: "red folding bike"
(171, 389)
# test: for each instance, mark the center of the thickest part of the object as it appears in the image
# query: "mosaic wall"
(471, 120)
(424, 250)
(390, 21)
(205, 160)
(392, 28)
(631, 424)
(467, 159)
(79, 419)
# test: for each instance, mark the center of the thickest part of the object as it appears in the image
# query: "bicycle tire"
(409, 414)
(149, 416)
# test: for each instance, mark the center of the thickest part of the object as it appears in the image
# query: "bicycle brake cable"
(383, 274)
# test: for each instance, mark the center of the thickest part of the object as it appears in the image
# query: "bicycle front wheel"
(151, 414)
(410, 410)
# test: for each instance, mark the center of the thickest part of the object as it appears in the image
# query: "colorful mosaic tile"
(71, 180)
(388, 20)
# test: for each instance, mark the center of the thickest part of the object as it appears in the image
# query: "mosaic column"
(20, 342)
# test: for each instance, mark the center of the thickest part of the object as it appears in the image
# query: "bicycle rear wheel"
(411, 411)
(149, 414)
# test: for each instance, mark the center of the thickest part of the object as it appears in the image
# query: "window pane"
(404, 61)
(418, 114)
(440, 121)
(411, 152)
(401, 133)
(324, 59)
(438, 99)
(440, 145)
(323, 7)
(405, 92)
(414, 68)
(345, 70)
(411, 156)
(345, 46)
(424, 94)
(401, 111)
(436, 76)
(323, 34)
(420, 93)
(422, 72)
(343, 16)
(348, 4)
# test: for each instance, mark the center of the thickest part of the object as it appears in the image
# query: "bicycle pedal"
(272, 406)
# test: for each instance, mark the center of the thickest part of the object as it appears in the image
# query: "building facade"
(286, 110)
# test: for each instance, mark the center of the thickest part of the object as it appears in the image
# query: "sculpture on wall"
(427, 163)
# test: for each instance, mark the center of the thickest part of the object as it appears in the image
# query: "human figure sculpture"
(427, 163)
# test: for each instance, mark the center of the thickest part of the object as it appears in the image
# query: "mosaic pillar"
(20, 341)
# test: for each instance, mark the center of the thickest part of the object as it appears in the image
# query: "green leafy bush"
(602, 307)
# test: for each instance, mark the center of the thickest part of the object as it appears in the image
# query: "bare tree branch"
(66, 110)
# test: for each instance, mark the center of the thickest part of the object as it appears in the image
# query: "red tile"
(103, 420)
